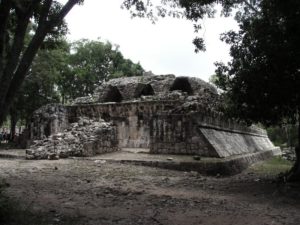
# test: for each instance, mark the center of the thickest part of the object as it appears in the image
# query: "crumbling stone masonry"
(86, 137)
(167, 114)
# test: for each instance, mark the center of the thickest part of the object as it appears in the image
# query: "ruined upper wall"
(153, 87)
(47, 120)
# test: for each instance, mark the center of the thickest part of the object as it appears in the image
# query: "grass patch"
(273, 166)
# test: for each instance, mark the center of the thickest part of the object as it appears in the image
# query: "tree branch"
(251, 7)
(63, 12)
(13, 55)
(30, 52)
(45, 12)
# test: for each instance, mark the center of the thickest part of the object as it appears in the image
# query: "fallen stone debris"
(83, 138)
(289, 154)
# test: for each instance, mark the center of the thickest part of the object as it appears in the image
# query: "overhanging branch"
(251, 7)
(32, 49)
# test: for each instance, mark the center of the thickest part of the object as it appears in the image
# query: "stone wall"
(132, 119)
(154, 125)
(177, 134)
(47, 120)
(205, 134)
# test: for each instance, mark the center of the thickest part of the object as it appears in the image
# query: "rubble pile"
(86, 137)
(84, 100)
(206, 102)
(170, 96)
(289, 154)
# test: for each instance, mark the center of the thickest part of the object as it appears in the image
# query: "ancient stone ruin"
(166, 114)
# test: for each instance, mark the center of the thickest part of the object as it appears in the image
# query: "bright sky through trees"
(163, 48)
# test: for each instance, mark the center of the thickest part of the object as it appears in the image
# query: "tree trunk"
(16, 68)
(13, 124)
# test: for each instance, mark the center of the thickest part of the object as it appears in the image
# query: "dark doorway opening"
(113, 95)
(47, 130)
(182, 84)
(143, 89)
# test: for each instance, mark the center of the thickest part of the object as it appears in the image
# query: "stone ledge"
(223, 167)
(207, 166)
(12, 154)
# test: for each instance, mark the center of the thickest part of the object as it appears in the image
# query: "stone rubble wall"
(83, 138)
(47, 120)
(289, 154)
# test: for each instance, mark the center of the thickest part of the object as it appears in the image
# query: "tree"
(62, 71)
(284, 135)
(89, 64)
(15, 56)
(40, 85)
(262, 80)
(193, 10)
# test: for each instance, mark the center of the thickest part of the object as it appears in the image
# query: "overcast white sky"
(164, 48)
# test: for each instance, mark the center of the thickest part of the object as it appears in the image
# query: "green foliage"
(273, 166)
(213, 79)
(44, 18)
(40, 85)
(90, 63)
(62, 71)
(285, 136)
(193, 10)
(262, 80)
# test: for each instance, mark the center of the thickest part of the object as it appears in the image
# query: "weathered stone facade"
(205, 135)
(167, 114)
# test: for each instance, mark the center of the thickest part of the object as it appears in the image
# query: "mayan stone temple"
(165, 114)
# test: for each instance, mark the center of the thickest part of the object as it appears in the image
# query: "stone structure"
(167, 114)
(83, 138)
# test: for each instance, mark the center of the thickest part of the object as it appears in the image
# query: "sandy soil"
(98, 192)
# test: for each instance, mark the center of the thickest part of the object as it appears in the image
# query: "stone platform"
(13, 153)
(204, 165)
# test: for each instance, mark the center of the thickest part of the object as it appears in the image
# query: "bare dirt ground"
(97, 192)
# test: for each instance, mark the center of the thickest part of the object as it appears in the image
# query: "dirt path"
(98, 192)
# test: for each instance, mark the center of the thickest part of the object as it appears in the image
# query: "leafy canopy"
(64, 71)
(17, 49)
(262, 80)
(89, 64)
(193, 10)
